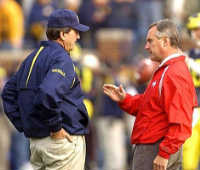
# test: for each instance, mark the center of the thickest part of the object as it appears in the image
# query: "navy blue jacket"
(45, 94)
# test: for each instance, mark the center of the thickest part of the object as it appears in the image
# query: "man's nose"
(146, 47)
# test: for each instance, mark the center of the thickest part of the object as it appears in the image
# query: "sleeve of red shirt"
(179, 100)
(131, 103)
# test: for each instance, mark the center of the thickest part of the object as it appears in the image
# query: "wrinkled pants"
(144, 155)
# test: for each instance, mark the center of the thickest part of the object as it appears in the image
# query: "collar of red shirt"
(172, 58)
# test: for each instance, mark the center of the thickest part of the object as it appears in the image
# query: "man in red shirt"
(164, 111)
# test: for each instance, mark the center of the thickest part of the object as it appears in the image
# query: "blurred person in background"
(37, 21)
(191, 148)
(12, 25)
(144, 72)
(93, 13)
(111, 131)
(27, 5)
(164, 111)
(5, 128)
(126, 76)
(73, 5)
(123, 15)
(148, 11)
(193, 26)
(44, 99)
(180, 10)
(19, 153)
(86, 65)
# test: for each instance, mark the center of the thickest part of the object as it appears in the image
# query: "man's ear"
(62, 36)
(165, 42)
(162, 43)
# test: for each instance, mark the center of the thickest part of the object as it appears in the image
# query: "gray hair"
(167, 28)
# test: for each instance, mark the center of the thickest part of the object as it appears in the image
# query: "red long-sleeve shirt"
(165, 109)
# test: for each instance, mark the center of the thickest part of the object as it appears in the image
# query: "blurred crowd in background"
(111, 52)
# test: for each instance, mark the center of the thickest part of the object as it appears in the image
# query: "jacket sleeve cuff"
(55, 128)
(54, 124)
(164, 154)
(124, 100)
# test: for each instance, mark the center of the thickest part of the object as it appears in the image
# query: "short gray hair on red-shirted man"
(167, 28)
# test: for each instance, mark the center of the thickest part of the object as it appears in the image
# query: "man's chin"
(151, 57)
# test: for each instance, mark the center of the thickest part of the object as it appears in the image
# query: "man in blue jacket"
(45, 101)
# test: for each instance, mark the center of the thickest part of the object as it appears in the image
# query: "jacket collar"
(53, 44)
(172, 58)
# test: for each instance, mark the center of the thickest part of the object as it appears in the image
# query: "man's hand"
(160, 163)
(61, 134)
(115, 93)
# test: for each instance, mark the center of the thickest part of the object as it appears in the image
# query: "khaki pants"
(60, 154)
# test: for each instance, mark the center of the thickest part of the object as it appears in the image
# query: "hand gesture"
(160, 163)
(117, 94)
